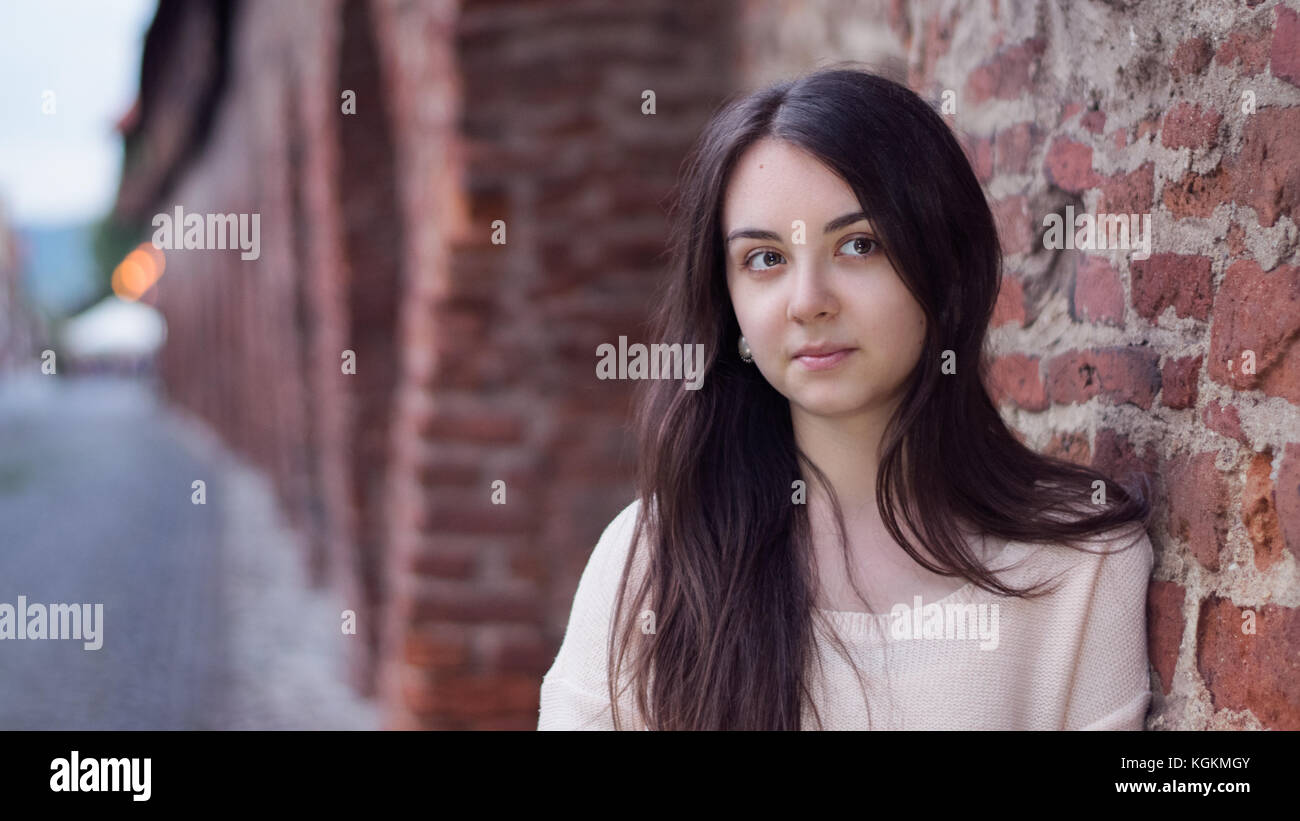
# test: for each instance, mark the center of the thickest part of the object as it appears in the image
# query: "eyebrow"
(833, 225)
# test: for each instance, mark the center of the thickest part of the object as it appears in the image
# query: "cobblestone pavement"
(208, 622)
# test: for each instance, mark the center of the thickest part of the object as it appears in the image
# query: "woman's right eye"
(770, 258)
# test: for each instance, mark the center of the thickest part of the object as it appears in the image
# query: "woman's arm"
(1110, 689)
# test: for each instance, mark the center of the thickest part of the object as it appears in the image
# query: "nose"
(813, 296)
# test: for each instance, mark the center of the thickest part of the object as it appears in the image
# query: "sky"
(63, 167)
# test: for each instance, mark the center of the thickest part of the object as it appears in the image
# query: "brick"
(1197, 496)
(482, 425)
(1010, 306)
(1008, 74)
(1094, 121)
(457, 602)
(1165, 627)
(1115, 456)
(1177, 280)
(487, 201)
(1069, 165)
(472, 512)
(450, 329)
(632, 251)
(1246, 49)
(1286, 497)
(444, 649)
(1259, 513)
(1197, 195)
(585, 467)
(1131, 193)
(1271, 187)
(1098, 294)
(436, 475)
(1190, 58)
(528, 566)
(1284, 53)
(444, 562)
(1259, 312)
(1015, 378)
(1013, 148)
(1225, 420)
(1189, 126)
(1236, 240)
(518, 651)
(1258, 672)
(1122, 374)
(1178, 380)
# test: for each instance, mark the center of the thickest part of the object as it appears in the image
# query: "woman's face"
(835, 290)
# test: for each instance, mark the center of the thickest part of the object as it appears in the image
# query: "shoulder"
(620, 527)
(1126, 565)
(605, 565)
(1111, 687)
(592, 614)
(1111, 567)
(575, 689)
(1121, 553)
(1124, 548)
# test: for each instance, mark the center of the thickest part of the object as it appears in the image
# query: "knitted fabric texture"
(1074, 659)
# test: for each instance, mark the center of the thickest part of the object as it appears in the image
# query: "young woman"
(837, 529)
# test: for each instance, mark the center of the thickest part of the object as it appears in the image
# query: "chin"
(827, 403)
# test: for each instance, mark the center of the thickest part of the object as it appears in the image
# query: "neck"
(847, 450)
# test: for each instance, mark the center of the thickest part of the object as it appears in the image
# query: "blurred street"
(207, 621)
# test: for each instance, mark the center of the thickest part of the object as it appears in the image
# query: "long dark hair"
(729, 576)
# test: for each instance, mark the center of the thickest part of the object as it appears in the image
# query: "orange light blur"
(138, 272)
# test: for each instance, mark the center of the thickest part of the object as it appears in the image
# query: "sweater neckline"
(857, 624)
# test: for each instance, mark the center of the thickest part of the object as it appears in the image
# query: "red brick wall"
(544, 131)
(255, 346)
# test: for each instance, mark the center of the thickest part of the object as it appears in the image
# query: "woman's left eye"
(860, 246)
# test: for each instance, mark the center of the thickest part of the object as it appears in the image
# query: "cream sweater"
(1073, 659)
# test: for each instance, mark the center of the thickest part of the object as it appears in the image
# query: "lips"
(823, 349)
(824, 361)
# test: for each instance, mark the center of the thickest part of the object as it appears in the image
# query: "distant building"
(21, 330)
(114, 336)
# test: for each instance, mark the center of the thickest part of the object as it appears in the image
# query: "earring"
(745, 353)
